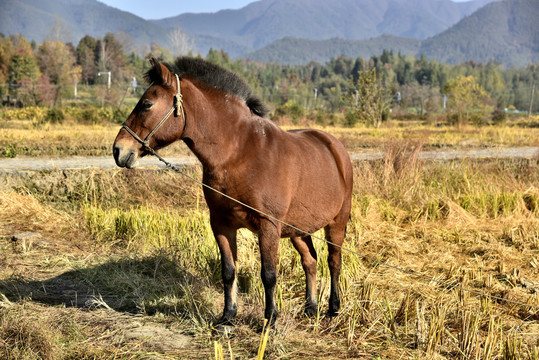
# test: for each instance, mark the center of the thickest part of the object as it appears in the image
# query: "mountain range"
(295, 51)
(507, 31)
(262, 22)
(299, 31)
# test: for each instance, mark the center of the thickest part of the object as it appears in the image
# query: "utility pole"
(108, 73)
(134, 84)
(531, 101)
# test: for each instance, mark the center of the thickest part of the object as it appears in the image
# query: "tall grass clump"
(23, 210)
(389, 186)
(148, 228)
(175, 262)
(402, 188)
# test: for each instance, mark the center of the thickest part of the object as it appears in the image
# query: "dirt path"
(28, 163)
(528, 152)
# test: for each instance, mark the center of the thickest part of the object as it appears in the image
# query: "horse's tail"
(257, 106)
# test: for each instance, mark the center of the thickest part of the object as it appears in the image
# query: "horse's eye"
(147, 104)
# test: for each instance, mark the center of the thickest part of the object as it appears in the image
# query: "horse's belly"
(309, 218)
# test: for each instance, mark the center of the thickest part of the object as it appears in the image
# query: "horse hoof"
(332, 313)
(223, 330)
(311, 310)
(225, 321)
(224, 326)
(334, 306)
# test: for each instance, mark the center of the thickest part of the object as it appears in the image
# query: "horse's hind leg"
(304, 245)
(335, 233)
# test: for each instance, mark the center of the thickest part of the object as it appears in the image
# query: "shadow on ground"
(134, 285)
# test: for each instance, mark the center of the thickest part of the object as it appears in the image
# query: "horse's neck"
(214, 127)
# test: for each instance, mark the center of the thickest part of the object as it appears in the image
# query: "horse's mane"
(215, 76)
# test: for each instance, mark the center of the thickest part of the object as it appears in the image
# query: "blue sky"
(158, 9)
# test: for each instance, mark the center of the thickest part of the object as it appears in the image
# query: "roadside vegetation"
(31, 132)
(55, 74)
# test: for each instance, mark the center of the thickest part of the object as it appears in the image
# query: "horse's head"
(156, 121)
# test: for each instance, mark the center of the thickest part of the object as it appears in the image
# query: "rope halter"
(176, 107)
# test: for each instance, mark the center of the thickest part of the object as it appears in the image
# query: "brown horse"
(300, 177)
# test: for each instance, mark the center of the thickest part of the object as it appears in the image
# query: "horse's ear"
(153, 61)
(160, 73)
(166, 75)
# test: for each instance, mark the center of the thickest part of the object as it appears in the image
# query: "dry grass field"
(444, 259)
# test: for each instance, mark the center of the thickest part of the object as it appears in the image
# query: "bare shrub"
(401, 160)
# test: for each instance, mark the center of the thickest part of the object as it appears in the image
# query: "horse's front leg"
(268, 241)
(226, 240)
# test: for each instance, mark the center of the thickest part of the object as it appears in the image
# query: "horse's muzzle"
(125, 157)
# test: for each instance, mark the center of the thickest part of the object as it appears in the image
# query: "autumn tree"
(111, 58)
(127, 42)
(467, 99)
(23, 63)
(57, 61)
(23, 70)
(59, 30)
(160, 53)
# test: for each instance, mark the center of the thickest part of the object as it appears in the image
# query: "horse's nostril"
(115, 151)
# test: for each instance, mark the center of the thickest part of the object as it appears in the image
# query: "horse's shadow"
(131, 285)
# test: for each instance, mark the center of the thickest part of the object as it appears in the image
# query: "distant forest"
(45, 74)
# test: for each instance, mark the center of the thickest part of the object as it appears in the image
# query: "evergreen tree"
(6, 53)
(371, 100)
(358, 66)
(86, 59)
(23, 64)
